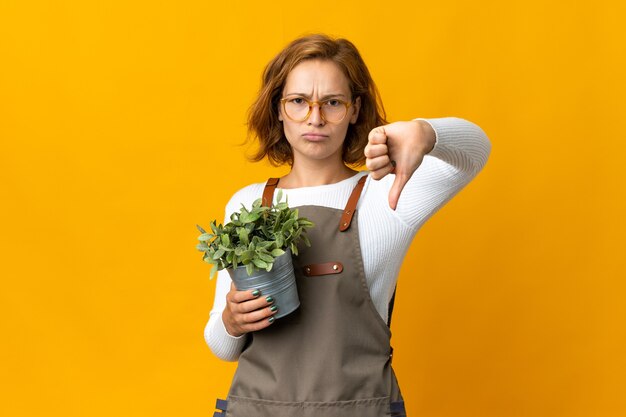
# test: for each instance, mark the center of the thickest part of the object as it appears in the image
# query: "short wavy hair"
(263, 122)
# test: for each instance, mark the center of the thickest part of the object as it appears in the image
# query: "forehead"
(317, 76)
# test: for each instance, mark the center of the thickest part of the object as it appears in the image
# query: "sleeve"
(461, 151)
(221, 343)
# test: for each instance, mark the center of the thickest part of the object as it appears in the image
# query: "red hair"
(263, 120)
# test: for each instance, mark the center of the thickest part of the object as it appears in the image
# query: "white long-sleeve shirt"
(460, 152)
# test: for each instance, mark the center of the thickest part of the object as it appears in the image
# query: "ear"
(355, 110)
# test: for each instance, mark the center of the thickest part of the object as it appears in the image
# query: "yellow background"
(119, 126)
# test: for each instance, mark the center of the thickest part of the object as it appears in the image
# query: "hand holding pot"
(246, 312)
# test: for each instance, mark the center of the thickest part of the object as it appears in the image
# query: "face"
(314, 138)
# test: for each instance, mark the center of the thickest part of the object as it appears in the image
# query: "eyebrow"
(322, 98)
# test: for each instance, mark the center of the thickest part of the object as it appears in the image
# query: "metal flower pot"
(280, 283)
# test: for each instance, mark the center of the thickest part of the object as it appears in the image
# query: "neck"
(309, 173)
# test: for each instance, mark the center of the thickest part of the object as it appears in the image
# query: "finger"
(241, 296)
(253, 305)
(259, 325)
(396, 189)
(374, 164)
(259, 315)
(381, 173)
(372, 150)
(377, 135)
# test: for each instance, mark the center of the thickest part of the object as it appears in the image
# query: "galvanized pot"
(280, 283)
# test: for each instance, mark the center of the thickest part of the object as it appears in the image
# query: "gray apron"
(331, 357)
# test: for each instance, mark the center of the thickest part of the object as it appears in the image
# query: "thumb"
(396, 189)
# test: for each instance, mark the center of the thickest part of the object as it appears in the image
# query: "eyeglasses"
(299, 108)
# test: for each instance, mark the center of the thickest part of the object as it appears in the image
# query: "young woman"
(319, 111)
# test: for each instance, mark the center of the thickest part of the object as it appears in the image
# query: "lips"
(314, 136)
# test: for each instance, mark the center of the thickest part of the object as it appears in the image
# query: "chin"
(316, 156)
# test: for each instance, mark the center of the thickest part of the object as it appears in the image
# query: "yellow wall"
(119, 124)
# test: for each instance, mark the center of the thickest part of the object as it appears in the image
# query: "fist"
(398, 148)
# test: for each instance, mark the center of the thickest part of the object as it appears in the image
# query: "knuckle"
(245, 317)
(238, 309)
(262, 325)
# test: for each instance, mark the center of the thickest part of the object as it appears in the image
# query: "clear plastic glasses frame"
(284, 101)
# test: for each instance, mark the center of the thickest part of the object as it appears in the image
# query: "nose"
(315, 118)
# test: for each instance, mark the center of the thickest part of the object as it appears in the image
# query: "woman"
(319, 111)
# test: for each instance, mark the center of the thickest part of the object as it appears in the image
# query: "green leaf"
(202, 247)
(279, 195)
(213, 227)
(218, 254)
(254, 217)
(205, 237)
(243, 236)
(247, 256)
(269, 267)
(259, 263)
(294, 249)
(213, 271)
(265, 245)
(277, 223)
(225, 240)
(288, 225)
(277, 252)
(265, 257)
(201, 229)
(250, 269)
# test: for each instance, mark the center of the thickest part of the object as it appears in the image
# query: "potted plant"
(256, 246)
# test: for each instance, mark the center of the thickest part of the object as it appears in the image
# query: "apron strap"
(268, 192)
(348, 212)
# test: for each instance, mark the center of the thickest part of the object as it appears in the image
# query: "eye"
(296, 100)
(333, 102)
